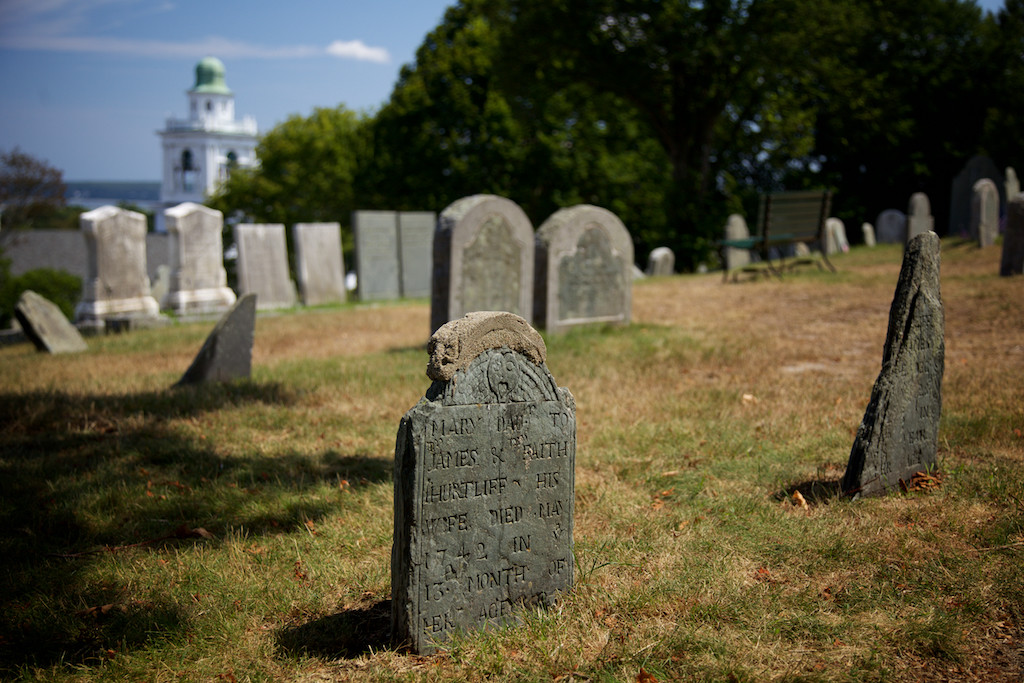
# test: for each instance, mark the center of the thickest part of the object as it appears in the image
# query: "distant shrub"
(59, 286)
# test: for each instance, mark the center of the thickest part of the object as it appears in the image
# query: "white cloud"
(357, 49)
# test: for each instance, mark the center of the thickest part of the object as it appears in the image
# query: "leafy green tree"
(30, 190)
(1004, 125)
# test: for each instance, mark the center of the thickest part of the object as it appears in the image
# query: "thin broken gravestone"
(484, 484)
(898, 436)
(45, 325)
(227, 353)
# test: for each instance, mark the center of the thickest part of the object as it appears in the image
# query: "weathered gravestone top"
(1012, 262)
(985, 213)
(484, 484)
(899, 433)
(584, 269)
(319, 264)
(45, 326)
(661, 261)
(919, 215)
(227, 353)
(483, 259)
(263, 264)
(891, 227)
(117, 284)
(198, 281)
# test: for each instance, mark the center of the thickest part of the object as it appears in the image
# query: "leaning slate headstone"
(985, 213)
(583, 269)
(198, 282)
(1013, 240)
(919, 215)
(484, 484)
(117, 283)
(661, 261)
(899, 433)
(227, 352)
(263, 264)
(891, 227)
(483, 260)
(45, 325)
(319, 264)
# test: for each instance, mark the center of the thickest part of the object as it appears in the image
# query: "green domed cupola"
(210, 77)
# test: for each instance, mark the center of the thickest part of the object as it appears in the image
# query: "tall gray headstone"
(1012, 184)
(227, 353)
(985, 213)
(263, 265)
(45, 325)
(919, 215)
(319, 263)
(377, 268)
(583, 271)
(962, 193)
(736, 229)
(1012, 262)
(198, 281)
(899, 433)
(891, 227)
(483, 260)
(484, 484)
(415, 250)
(117, 283)
(867, 231)
(661, 261)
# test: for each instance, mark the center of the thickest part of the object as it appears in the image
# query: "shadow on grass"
(83, 476)
(814, 491)
(347, 634)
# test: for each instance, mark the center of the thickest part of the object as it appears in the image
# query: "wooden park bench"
(785, 220)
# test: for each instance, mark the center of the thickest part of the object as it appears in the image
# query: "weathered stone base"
(93, 311)
(199, 301)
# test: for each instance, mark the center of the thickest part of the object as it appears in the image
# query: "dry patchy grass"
(696, 425)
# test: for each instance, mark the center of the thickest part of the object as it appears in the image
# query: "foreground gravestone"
(661, 261)
(1012, 262)
(898, 436)
(117, 283)
(736, 229)
(583, 271)
(227, 353)
(919, 215)
(483, 260)
(891, 227)
(319, 264)
(985, 213)
(45, 325)
(198, 282)
(263, 265)
(484, 484)
(867, 231)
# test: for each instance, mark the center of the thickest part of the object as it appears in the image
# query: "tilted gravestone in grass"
(227, 352)
(484, 482)
(898, 436)
(45, 325)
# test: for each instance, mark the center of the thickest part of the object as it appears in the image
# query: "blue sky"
(87, 83)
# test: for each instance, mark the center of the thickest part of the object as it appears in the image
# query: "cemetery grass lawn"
(243, 532)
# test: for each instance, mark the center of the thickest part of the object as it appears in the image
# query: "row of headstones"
(895, 227)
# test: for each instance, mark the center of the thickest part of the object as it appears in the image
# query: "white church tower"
(200, 151)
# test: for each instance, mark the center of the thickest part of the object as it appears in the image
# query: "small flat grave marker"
(484, 484)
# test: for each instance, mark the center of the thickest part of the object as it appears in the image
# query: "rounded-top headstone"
(457, 343)
(919, 205)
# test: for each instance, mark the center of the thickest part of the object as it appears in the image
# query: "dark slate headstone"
(584, 269)
(1013, 240)
(962, 192)
(899, 433)
(263, 264)
(483, 260)
(891, 227)
(377, 269)
(484, 484)
(44, 324)
(227, 352)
